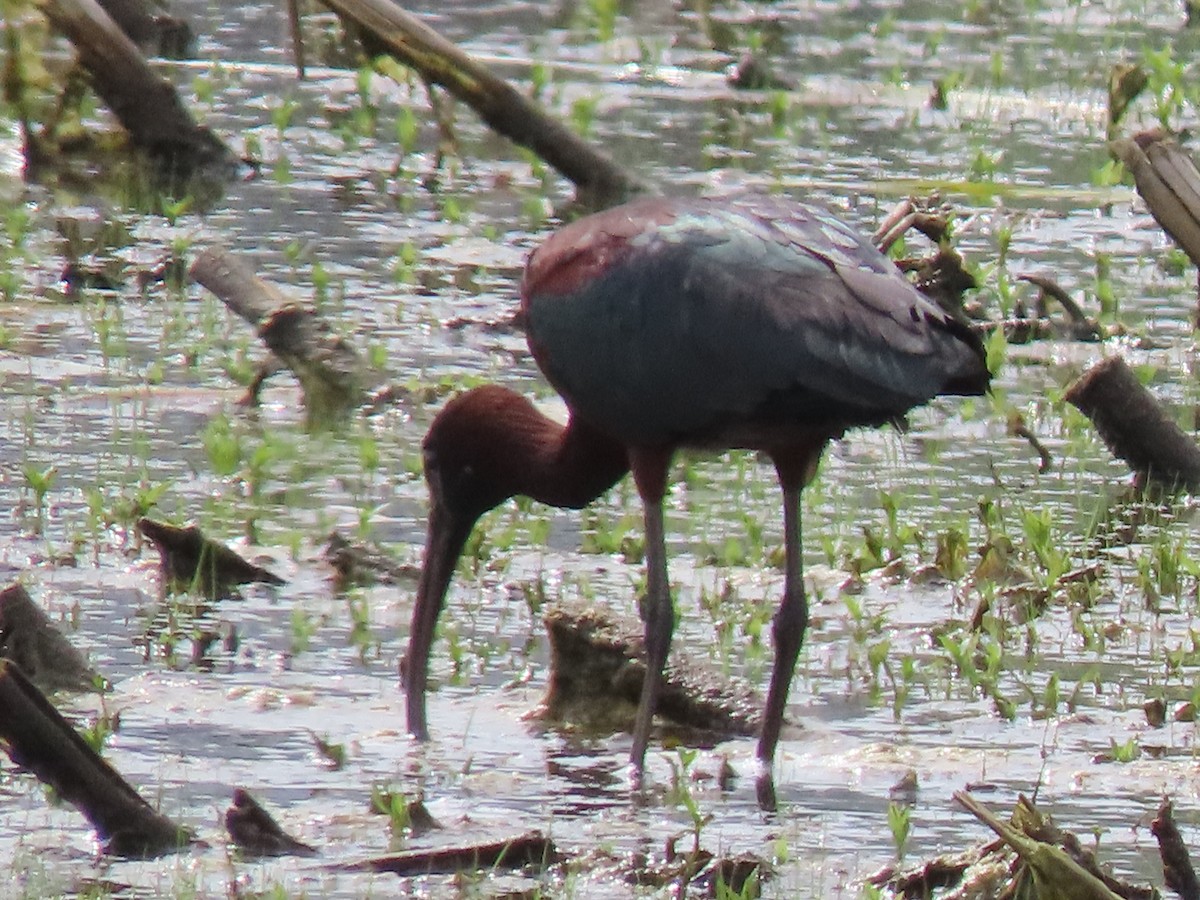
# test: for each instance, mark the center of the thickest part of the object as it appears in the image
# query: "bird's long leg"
(658, 614)
(791, 621)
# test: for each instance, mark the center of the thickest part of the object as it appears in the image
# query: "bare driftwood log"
(31, 640)
(146, 105)
(331, 373)
(598, 180)
(255, 833)
(37, 737)
(1134, 426)
(1177, 865)
(530, 849)
(597, 665)
(192, 562)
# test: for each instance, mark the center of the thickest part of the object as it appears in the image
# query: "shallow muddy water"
(127, 390)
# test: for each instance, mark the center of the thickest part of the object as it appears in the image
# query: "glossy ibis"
(752, 322)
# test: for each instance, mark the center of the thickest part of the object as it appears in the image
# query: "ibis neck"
(571, 466)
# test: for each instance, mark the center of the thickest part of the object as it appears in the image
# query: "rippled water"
(120, 389)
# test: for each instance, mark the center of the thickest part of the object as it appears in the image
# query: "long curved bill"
(444, 542)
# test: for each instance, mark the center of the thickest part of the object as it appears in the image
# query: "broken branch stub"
(31, 640)
(331, 374)
(598, 664)
(192, 562)
(1134, 427)
(1168, 181)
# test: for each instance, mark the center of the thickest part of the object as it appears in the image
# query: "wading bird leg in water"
(650, 469)
(789, 626)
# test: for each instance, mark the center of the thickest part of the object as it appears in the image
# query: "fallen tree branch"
(530, 849)
(330, 371)
(38, 738)
(145, 104)
(1167, 179)
(599, 181)
(1082, 328)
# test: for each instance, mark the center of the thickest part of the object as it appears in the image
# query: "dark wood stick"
(530, 849)
(598, 180)
(146, 105)
(1134, 426)
(38, 738)
(1049, 288)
